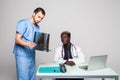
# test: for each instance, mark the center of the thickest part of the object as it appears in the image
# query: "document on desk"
(42, 41)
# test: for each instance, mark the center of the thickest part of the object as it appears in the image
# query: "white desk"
(76, 72)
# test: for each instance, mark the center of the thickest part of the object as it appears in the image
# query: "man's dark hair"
(67, 33)
(39, 9)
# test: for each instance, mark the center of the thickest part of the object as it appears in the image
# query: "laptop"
(95, 63)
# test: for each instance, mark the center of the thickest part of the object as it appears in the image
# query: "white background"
(94, 25)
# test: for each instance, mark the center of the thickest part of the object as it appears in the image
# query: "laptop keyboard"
(84, 67)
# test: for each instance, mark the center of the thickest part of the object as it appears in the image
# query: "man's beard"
(67, 44)
(34, 20)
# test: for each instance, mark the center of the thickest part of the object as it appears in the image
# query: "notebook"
(95, 63)
(42, 41)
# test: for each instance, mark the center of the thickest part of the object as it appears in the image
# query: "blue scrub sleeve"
(20, 27)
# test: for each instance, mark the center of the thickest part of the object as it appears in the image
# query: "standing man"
(24, 46)
(68, 53)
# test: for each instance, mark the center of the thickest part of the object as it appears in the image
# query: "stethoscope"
(72, 46)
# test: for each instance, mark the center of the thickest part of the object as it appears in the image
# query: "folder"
(49, 70)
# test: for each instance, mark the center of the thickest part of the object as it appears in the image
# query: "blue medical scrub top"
(27, 30)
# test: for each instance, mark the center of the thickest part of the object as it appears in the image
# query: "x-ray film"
(42, 41)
